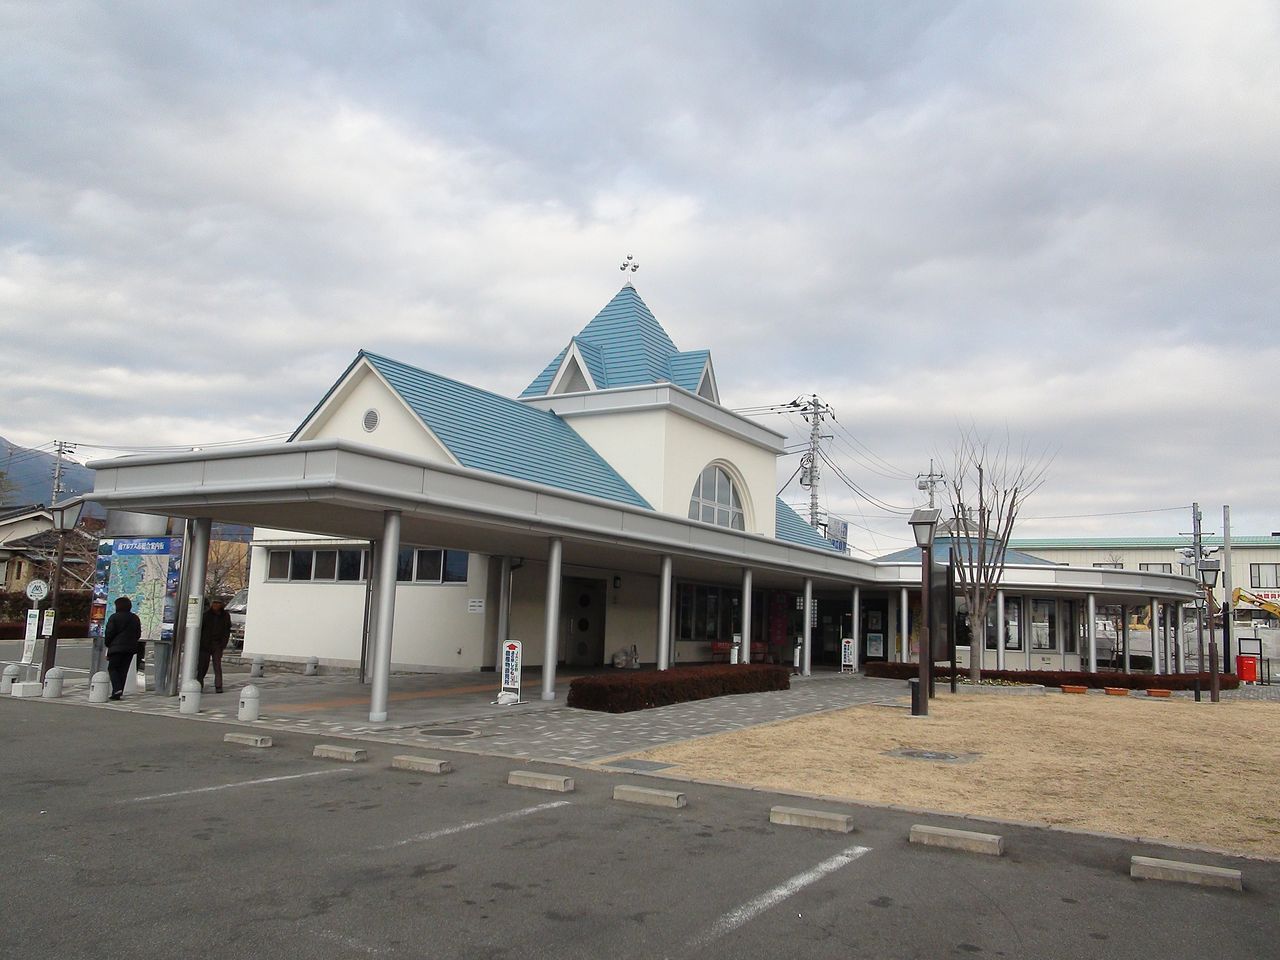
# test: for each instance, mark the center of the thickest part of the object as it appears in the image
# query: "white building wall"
(691, 445)
(630, 442)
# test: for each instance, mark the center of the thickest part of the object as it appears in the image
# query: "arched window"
(715, 499)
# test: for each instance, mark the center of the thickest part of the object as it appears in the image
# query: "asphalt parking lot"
(144, 836)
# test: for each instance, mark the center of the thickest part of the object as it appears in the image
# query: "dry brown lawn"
(1193, 773)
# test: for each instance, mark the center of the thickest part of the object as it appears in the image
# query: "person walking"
(121, 635)
(215, 634)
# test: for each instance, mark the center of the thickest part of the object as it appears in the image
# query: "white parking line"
(462, 827)
(770, 898)
(238, 783)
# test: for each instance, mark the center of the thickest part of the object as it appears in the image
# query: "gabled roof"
(485, 431)
(791, 528)
(625, 346)
(941, 545)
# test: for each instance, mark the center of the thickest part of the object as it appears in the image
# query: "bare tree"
(228, 567)
(986, 488)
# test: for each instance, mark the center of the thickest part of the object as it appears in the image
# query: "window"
(326, 565)
(1188, 569)
(429, 566)
(455, 566)
(404, 565)
(1044, 625)
(300, 564)
(1012, 631)
(706, 613)
(1156, 567)
(351, 565)
(1264, 575)
(278, 565)
(715, 500)
(1110, 565)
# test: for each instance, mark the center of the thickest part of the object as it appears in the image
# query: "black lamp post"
(1209, 580)
(65, 517)
(924, 522)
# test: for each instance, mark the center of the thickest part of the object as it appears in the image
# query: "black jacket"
(215, 628)
(123, 632)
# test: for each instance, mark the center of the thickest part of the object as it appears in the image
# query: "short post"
(919, 705)
(189, 698)
(250, 700)
(100, 687)
(9, 678)
(312, 668)
(53, 683)
(256, 668)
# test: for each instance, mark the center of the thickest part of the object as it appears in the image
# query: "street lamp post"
(923, 524)
(1209, 579)
(65, 517)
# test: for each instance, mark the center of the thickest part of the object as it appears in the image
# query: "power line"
(1118, 513)
(870, 498)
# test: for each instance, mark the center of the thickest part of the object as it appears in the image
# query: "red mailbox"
(1247, 669)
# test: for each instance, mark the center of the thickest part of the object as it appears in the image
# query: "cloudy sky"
(1056, 222)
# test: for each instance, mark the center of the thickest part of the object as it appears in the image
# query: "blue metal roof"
(791, 528)
(625, 346)
(942, 544)
(489, 432)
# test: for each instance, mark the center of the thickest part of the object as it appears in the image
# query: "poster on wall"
(875, 646)
(144, 569)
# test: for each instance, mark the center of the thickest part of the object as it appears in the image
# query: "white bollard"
(250, 700)
(312, 668)
(100, 687)
(53, 683)
(189, 698)
(255, 670)
(9, 678)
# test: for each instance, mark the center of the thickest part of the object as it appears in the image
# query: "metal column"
(199, 560)
(551, 625)
(504, 608)
(664, 615)
(1093, 633)
(1000, 629)
(904, 623)
(856, 632)
(746, 616)
(1155, 636)
(385, 604)
(1175, 611)
(1124, 634)
(806, 656)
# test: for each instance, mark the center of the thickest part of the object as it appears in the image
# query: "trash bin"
(161, 659)
(917, 697)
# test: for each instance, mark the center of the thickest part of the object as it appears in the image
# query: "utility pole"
(1213, 641)
(928, 481)
(1226, 587)
(62, 448)
(815, 411)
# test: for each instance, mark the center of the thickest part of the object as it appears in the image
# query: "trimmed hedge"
(1056, 678)
(64, 629)
(625, 691)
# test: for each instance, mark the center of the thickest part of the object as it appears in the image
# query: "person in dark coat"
(121, 636)
(215, 634)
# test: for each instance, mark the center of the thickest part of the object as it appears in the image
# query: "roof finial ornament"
(629, 264)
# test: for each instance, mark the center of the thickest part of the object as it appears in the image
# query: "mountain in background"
(30, 474)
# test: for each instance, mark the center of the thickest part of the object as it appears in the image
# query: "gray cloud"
(1056, 220)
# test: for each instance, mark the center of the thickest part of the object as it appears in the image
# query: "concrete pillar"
(746, 616)
(551, 624)
(385, 604)
(999, 629)
(856, 632)
(904, 625)
(1155, 635)
(664, 615)
(1092, 628)
(197, 556)
(806, 654)
(504, 608)
(1124, 634)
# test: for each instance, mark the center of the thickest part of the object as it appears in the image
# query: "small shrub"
(65, 630)
(623, 692)
(1056, 678)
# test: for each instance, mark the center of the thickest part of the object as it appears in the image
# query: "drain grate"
(936, 756)
(444, 732)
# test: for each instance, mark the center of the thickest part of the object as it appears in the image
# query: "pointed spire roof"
(625, 346)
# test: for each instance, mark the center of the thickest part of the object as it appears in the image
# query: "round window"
(370, 420)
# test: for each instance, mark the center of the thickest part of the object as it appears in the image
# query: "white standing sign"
(29, 641)
(37, 590)
(512, 655)
(848, 656)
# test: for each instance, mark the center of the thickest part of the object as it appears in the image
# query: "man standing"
(121, 636)
(215, 632)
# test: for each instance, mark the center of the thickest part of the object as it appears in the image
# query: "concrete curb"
(812, 819)
(248, 739)
(421, 764)
(540, 781)
(969, 841)
(332, 751)
(649, 796)
(1150, 868)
